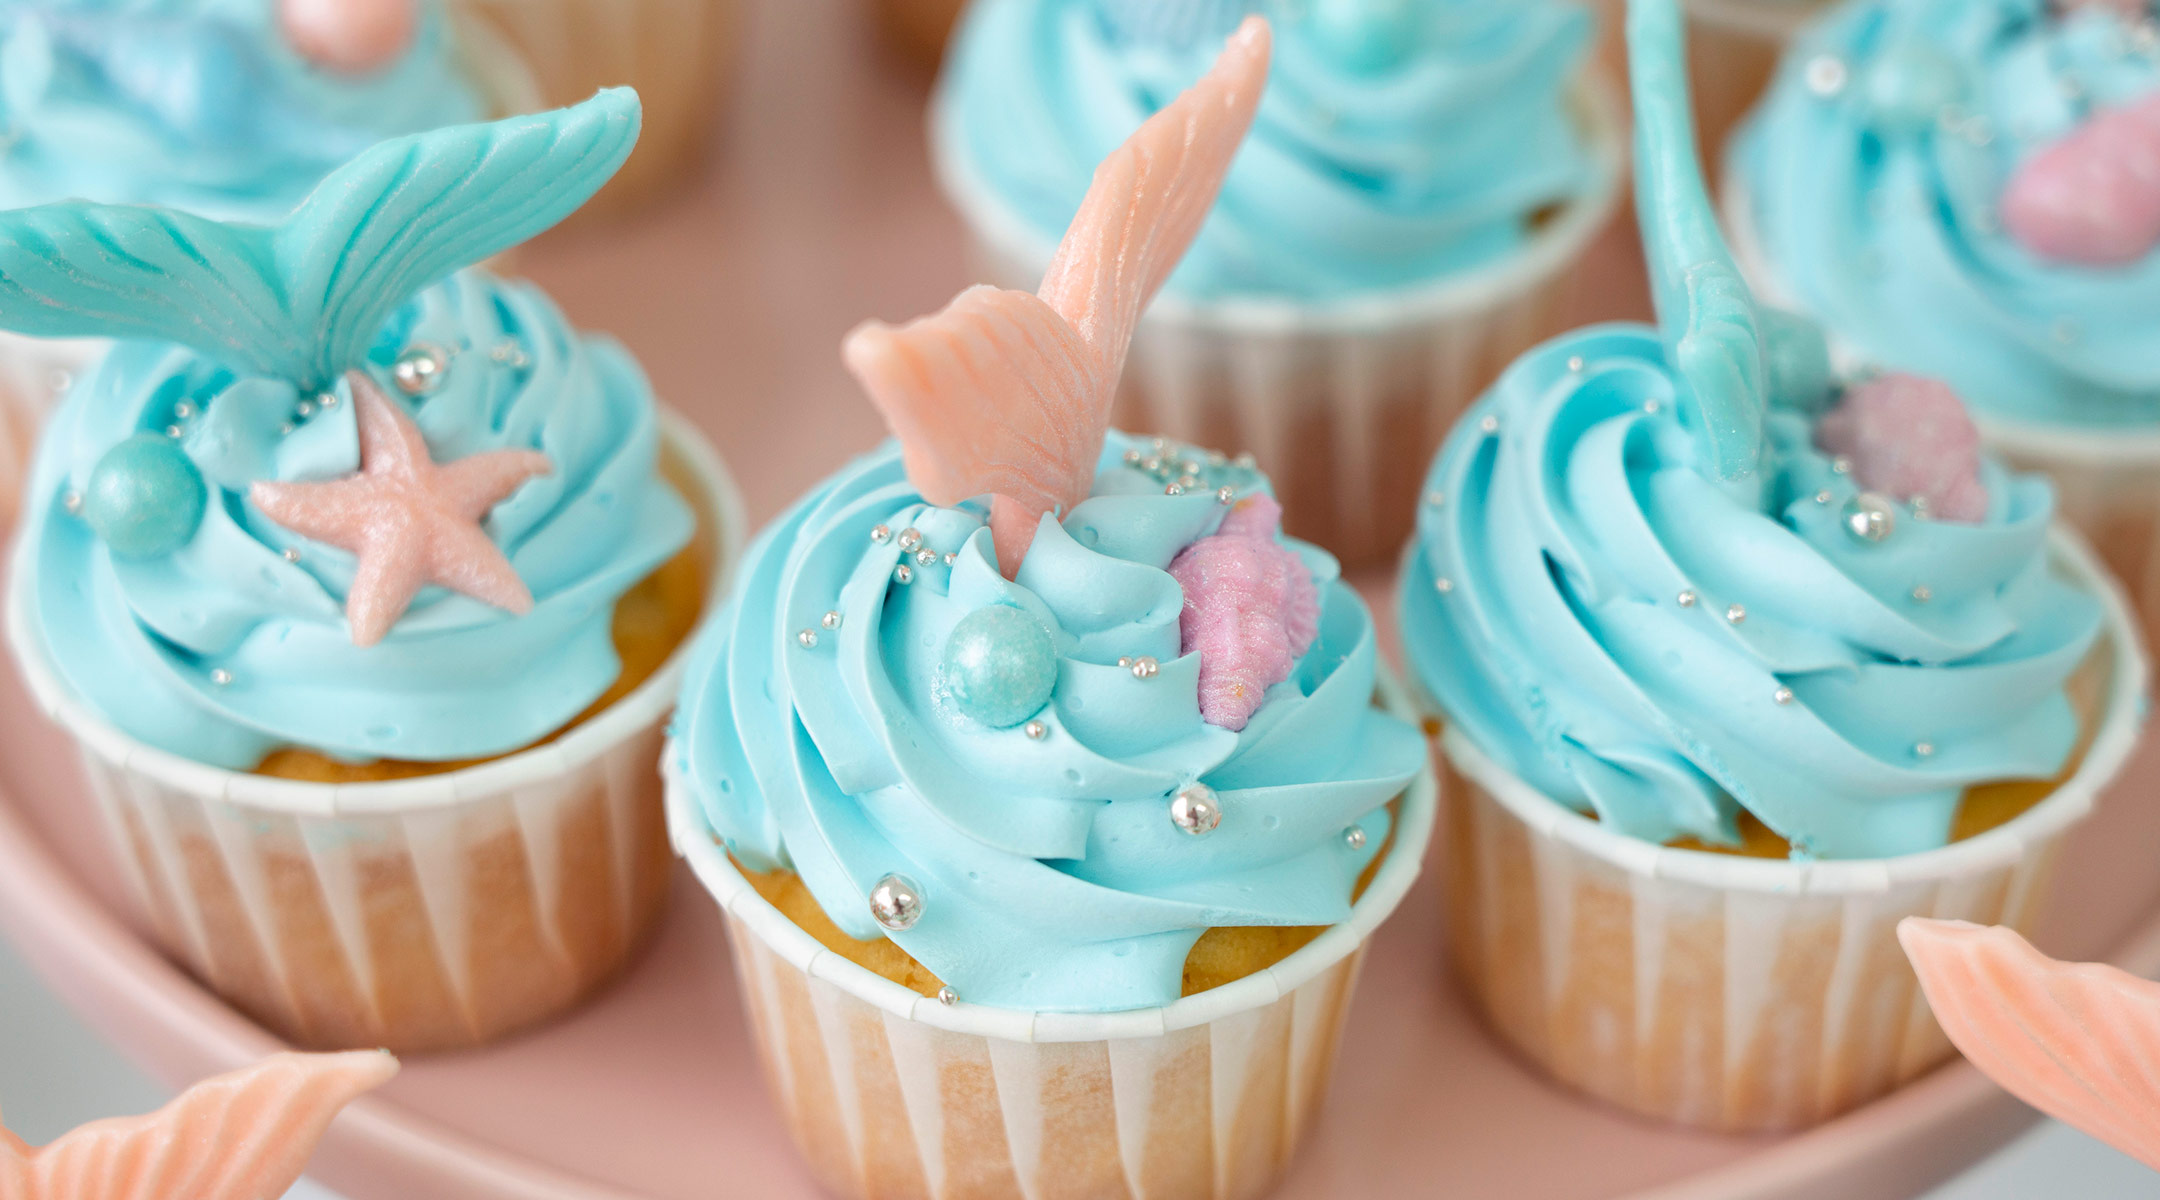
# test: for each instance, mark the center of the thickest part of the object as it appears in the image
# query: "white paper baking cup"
(1740, 994)
(2107, 481)
(678, 54)
(1343, 403)
(416, 915)
(889, 1093)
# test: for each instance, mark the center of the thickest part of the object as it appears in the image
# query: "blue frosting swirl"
(1568, 516)
(1394, 146)
(199, 105)
(146, 642)
(1876, 207)
(1052, 875)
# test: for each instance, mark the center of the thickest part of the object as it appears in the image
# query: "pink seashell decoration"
(2078, 1042)
(354, 36)
(1251, 610)
(412, 521)
(2093, 198)
(1910, 438)
(243, 1136)
(1008, 395)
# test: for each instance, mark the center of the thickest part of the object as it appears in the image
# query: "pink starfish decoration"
(2078, 1042)
(354, 36)
(2092, 198)
(1910, 438)
(243, 1136)
(1008, 395)
(412, 521)
(1251, 610)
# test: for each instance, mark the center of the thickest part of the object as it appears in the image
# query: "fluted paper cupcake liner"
(1343, 404)
(34, 374)
(417, 915)
(2107, 481)
(1737, 994)
(889, 1093)
(678, 54)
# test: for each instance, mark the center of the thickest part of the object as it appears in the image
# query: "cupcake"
(359, 580)
(1400, 225)
(1954, 188)
(678, 54)
(217, 107)
(1041, 778)
(1738, 667)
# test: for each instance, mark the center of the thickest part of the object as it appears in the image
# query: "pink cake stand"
(736, 299)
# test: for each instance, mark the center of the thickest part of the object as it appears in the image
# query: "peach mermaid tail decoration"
(2080, 1042)
(1008, 395)
(1251, 610)
(2092, 198)
(243, 1136)
(354, 36)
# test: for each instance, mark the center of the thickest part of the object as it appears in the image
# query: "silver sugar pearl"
(1841, 465)
(1436, 499)
(881, 534)
(72, 502)
(183, 410)
(1151, 464)
(1686, 598)
(1923, 749)
(1870, 517)
(221, 677)
(1575, 363)
(1035, 730)
(1173, 490)
(420, 369)
(1736, 614)
(1196, 809)
(1443, 585)
(1245, 461)
(1652, 407)
(830, 620)
(1132, 458)
(903, 574)
(292, 554)
(951, 558)
(1824, 496)
(1922, 594)
(1225, 494)
(807, 639)
(1489, 423)
(1827, 75)
(1217, 458)
(286, 428)
(306, 409)
(1124, 660)
(1144, 667)
(947, 997)
(910, 539)
(173, 431)
(926, 557)
(1783, 695)
(1354, 837)
(326, 401)
(896, 903)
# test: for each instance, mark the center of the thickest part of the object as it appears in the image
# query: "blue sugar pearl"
(1001, 665)
(145, 499)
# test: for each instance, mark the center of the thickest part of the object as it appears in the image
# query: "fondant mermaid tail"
(1712, 331)
(2078, 1042)
(1007, 394)
(303, 300)
(243, 1136)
